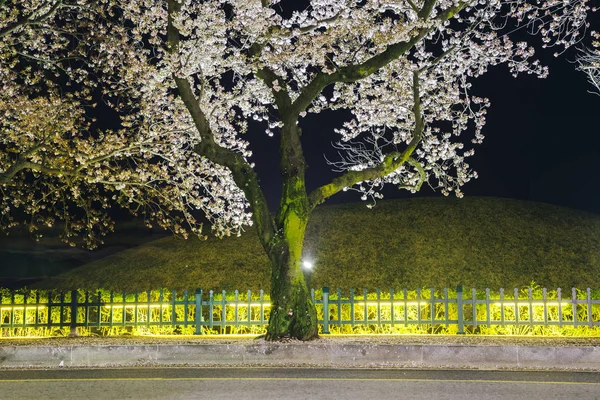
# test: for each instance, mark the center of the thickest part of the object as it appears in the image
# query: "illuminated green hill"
(420, 242)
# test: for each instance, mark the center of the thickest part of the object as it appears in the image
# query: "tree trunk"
(293, 313)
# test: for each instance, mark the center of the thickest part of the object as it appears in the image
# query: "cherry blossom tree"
(55, 166)
(189, 75)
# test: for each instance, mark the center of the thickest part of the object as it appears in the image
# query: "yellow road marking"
(298, 379)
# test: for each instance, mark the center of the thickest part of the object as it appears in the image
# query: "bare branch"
(389, 164)
(589, 64)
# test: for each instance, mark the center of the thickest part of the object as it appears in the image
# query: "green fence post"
(236, 310)
(487, 307)
(352, 306)
(124, 313)
(223, 313)
(99, 308)
(517, 309)
(474, 306)
(560, 314)
(339, 308)
(148, 309)
(392, 307)
(37, 309)
(49, 316)
(405, 294)
(459, 305)
(432, 309)
(589, 308)
(446, 315)
(135, 310)
(161, 299)
(211, 308)
(545, 299)
(325, 310)
(73, 313)
(174, 309)
(249, 298)
(12, 311)
(502, 307)
(378, 291)
(262, 307)
(530, 295)
(574, 306)
(366, 307)
(62, 310)
(186, 314)
(419, 307)
(198, 314)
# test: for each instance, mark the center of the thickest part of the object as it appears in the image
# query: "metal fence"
(521, 310)
(418, 311)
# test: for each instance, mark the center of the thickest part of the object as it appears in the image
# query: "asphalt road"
(295, 383)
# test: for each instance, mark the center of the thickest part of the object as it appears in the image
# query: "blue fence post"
(459, 305)
(198, 313)
(325, 311)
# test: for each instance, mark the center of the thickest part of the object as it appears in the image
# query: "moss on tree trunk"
(293, 313)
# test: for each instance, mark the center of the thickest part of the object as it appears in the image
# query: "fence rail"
(198, 312)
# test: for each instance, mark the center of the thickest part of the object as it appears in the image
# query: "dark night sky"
(541, 141)
(541, 144)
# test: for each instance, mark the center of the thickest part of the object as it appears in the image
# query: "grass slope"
(420, 242)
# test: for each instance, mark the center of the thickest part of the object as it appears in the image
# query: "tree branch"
(352, 73)
(422, 176)
(589, 63)
(281, 95)
(282, 98)
(390, 163)
(28, 20)
(20, 165)
(427, 9)
(412, 5)
(292, 162)
(244, 176)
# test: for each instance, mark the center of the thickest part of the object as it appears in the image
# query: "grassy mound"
(420, 242)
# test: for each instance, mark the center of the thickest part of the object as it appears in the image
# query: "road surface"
(295, 383)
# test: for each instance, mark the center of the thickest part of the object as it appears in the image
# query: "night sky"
(542, 139)
(542, 142)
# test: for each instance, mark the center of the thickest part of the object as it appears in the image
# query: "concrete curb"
(305, 354)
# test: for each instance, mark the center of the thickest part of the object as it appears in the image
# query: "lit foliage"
(55, 166)
(186, 77)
